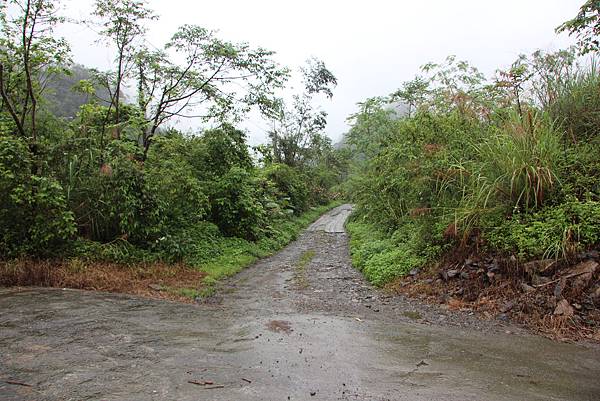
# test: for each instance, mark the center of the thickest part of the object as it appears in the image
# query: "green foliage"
(382, 257)
(236, 206)
(576, 106)
(34, 218)
(110, 184)
(515, 168)
(292, 191)
(585, 26)
(555, 231)
(224, 148)
(179, 194)
(511, 165)
(580, 169)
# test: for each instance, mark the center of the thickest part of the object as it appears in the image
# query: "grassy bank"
(382, 256)
(119, 267)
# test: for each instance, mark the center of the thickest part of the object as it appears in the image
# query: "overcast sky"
(371, 46)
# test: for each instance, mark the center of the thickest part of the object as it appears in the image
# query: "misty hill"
(62, 100)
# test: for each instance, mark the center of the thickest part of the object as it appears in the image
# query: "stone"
(591, 255)
(596, 295)
(526, 288)
(564, 309)
(583, 274)
(504, 317)
(156, 287)
(414, 272)
(560, 286)
(543, 266)
(506, 307)
(459, 292)
(536, 279)
(452, 273)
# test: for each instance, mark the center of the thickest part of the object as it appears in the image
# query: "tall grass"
(520, 159)
(576, 106)
(513, 169)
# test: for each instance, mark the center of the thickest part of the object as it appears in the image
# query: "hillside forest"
(484, 192)
(96, 181)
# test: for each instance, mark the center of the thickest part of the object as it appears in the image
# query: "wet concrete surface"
(301, 325)
(332, 222)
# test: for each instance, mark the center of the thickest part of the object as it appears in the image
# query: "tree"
(29, 55)
(297, 130)
(123, 25)
(370, 126)
(207, 85)
(413, 94)
(585, 26)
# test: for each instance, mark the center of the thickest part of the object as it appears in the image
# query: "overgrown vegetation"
(454, 163)
(116, 184)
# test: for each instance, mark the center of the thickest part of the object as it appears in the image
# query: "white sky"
(371, 46)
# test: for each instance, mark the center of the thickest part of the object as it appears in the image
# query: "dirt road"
(301, 325)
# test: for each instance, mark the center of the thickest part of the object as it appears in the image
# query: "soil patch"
(280, 326)
(157, 280)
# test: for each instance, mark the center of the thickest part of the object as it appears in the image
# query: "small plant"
(553, 232)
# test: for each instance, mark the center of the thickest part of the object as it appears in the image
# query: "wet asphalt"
(300, 325)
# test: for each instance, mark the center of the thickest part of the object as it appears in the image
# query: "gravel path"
(332, 222)
(301, 325)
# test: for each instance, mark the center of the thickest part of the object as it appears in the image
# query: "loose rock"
(506, 307)
(452, 273)
(564, 309)
(539, 280)
(543, 266)
(585, 272)
(526, 288)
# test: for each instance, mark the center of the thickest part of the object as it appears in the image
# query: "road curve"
(332, 222)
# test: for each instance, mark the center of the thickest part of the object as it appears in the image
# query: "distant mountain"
(62, 101)
(342, 143)
(397, 109)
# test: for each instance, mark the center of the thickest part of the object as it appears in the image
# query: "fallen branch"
(560, 278)
(208, 385)
(204, 383)
(16, 383)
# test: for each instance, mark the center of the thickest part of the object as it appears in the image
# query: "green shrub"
(292, 189)
(382, 257)
(178, 192)
(580, 170)
(34, 218)
(236, 206)
(112, 200)
(555, 231)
